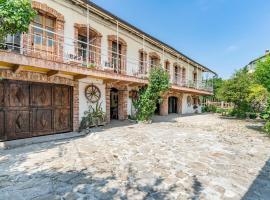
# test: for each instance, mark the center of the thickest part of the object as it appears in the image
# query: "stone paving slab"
(176, 157)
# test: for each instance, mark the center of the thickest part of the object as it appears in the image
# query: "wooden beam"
(80, 76)
(17, 68)
(52, 73)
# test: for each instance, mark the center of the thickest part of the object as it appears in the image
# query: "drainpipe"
(88, 26)
(117, 48)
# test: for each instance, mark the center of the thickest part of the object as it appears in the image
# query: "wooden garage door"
(34, 109)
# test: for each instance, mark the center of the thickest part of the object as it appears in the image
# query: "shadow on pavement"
(260, 188)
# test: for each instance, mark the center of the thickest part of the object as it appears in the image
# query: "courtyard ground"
(176, 157)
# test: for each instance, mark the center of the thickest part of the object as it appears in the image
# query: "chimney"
(267, 51)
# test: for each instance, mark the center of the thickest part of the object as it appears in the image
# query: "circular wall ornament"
(92, 93)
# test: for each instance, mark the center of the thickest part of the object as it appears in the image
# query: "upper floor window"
(154, 60)
(116, 56)
(176, 72)
(195, 76)
(167, 66)
(43, 31)
(183, 74)
(142, 61)
(93, 49)
(117, 53)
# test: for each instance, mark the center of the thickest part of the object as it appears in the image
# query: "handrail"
(70, 50)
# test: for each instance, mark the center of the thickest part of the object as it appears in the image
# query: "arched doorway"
(172, 105)
(114, 103)
(157, 111)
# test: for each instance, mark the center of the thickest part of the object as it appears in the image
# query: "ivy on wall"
(150, 95)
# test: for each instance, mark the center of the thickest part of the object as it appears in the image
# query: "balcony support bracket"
(80, 76)
(52, 73)
(17, 68)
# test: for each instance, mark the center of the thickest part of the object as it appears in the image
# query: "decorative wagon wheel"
(92, 93)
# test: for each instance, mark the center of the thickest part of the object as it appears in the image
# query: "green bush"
(252, 116)
(149, 96)
(267, 127)
(209, 108)
(220, 110)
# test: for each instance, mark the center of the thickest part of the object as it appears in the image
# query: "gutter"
(126, 25)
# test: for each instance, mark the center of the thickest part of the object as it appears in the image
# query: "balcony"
(60, 49)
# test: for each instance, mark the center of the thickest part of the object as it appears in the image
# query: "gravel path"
(189, 157)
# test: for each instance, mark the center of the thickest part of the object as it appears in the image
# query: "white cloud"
(232, 48)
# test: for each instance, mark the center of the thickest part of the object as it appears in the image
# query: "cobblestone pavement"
(188, 157)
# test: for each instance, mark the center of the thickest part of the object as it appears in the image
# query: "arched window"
(176, 73)
(117, 59)
(44, 32)
(167, 66)
(94, 53)
(154, 59)
(44, 37)
(184, 81)
(142, 62)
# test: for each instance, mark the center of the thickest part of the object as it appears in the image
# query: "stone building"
(76, 54)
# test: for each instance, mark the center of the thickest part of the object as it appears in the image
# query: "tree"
(15, 17)
(150, 95)
(262, 73)
(262, 76)
(258, 97)
(236, 90)
(217, 84)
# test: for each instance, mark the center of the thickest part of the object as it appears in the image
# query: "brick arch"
(154, 55)
(57, 53)
(165, 104)
(122, 101)
(179, 97)
(48, 10)
(111, 39)
(78, 26)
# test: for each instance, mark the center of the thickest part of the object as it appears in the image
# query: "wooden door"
(172, 105)
(34, 109)
(1, 110)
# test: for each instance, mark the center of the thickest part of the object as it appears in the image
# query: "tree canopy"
(262, 73)
(15, 16)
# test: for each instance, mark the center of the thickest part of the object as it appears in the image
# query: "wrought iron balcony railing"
(56, 47)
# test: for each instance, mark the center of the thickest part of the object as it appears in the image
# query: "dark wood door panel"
(2, 97)
(42, 122)
(61, 96)
(62, 120)
(18, 94)
(17, 124)
(41, 95)
(34, 109)
(2, 121)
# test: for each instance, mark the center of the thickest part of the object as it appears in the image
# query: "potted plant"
(93, 117)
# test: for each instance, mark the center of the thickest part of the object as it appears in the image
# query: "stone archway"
(122, 95)
(172, 104)
(164, 107)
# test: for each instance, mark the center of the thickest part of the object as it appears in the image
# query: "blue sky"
(221, 34)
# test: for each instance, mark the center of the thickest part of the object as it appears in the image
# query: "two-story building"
(77, 54)
(251, 66)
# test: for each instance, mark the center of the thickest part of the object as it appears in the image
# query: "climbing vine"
(150, 95)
